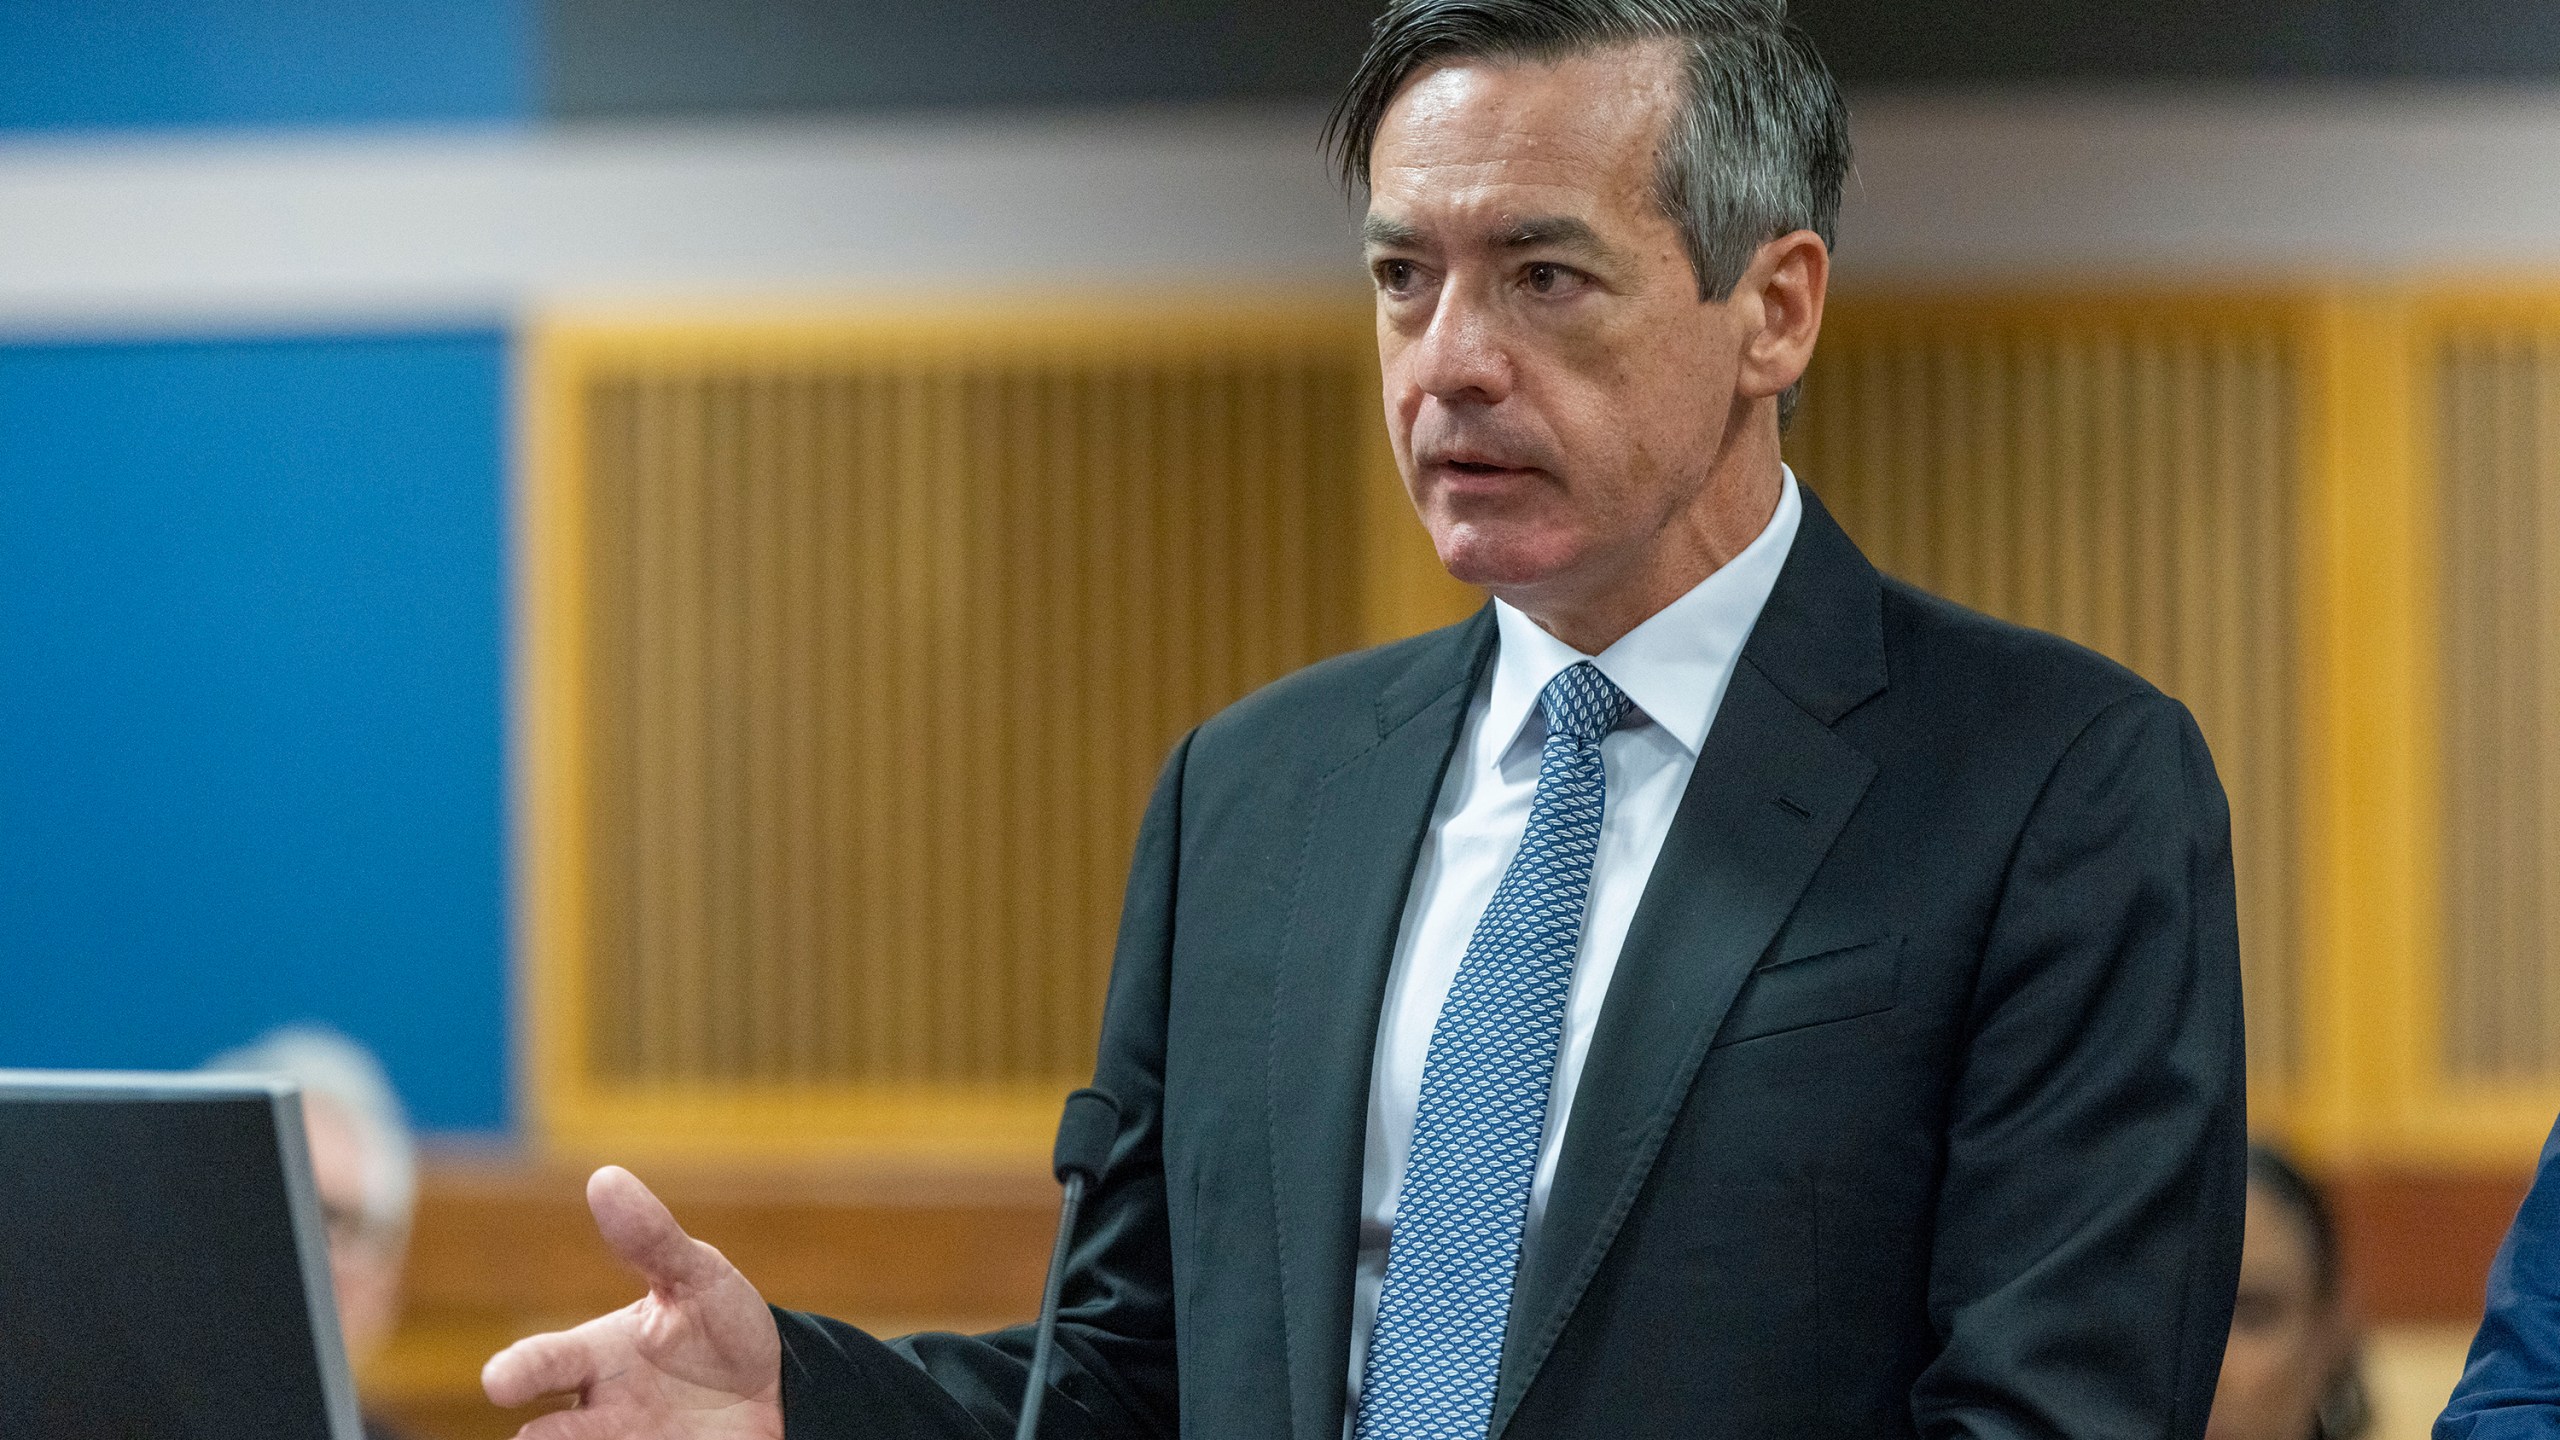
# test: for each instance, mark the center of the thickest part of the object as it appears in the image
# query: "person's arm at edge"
(2088, 1230)
(1115, 1333)
(2510, 1386)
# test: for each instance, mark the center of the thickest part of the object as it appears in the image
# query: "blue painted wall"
(117, 63)
(251, 704)
(251, 624)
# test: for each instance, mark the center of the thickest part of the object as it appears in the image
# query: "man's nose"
(1462, 356)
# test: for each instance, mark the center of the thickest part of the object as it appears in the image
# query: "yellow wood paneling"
(2436, 1024)
(2486, 371)
(851, 647)
(2369, 880)
(755, 546)
(2496, 389)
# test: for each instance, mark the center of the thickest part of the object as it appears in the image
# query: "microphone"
(1085, 1133)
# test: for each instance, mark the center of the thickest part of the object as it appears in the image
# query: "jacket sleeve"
(2088, 1226)
(2511, 1385)
(1115, 1355)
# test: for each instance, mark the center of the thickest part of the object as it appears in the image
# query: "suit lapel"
(1366, 824)
(1773, 786)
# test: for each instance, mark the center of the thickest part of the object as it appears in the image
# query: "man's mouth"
(1476, 473)
(1468, 460)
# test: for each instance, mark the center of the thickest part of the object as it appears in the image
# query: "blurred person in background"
(2294, 1368)
(364, 1162)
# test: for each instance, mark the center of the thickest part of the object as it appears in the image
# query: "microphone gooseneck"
(1086, 1130)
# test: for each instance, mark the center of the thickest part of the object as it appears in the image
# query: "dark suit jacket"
(1914, 1108)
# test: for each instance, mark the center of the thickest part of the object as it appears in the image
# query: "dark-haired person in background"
(1715, 991)
(2294, 1369)
(2510, 1387)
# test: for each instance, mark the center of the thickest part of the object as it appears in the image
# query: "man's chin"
(1500, 564)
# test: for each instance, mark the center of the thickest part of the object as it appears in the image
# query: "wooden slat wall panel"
(742, 944)
(882, 653)
(2127, 480)
(2497, 452)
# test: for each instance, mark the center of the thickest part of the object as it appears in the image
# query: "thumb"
(638, 1228)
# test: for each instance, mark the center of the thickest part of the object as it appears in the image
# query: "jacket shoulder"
(1343, 703)
(2004, 677)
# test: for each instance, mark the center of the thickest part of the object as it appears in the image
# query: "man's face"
(1556, 392)
(364, 1260)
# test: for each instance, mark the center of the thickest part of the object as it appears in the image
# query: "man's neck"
(1593, 618)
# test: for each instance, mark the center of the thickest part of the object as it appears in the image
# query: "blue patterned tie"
(1437, 1344)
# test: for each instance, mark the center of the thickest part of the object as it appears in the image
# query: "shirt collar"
(1674, 666)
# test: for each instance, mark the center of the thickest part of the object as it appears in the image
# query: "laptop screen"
(163, 1268)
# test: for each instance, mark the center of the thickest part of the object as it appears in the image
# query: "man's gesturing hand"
(696, 1359)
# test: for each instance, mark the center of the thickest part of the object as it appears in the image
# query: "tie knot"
(1581, 702)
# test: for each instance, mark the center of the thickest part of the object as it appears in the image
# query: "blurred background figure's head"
(2294, 1369)
(363, 1159)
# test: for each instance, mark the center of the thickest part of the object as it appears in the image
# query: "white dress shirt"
(1675, 667)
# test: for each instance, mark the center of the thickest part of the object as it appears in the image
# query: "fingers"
(557, 1364)
(576, 1425)
(641, 1231)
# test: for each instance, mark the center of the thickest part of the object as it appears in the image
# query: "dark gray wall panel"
(1901, 42)
(641, 57)
(621, 57)
(2484, 38)
(1973, 41)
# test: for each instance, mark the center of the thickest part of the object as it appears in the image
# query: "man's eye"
(1547, 278)
(1395, 274)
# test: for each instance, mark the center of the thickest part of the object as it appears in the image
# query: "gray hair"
(326, 1063)
(1760, 148)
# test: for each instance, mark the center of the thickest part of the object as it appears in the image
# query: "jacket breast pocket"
(1810, 990)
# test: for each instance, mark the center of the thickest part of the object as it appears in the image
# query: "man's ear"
(1783, 289)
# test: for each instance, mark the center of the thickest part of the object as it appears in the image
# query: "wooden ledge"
(504, 1247)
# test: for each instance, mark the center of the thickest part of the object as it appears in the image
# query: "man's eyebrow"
(1559, 230)
(1386, 234)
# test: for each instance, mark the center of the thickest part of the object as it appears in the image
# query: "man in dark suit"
(1716, 991)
